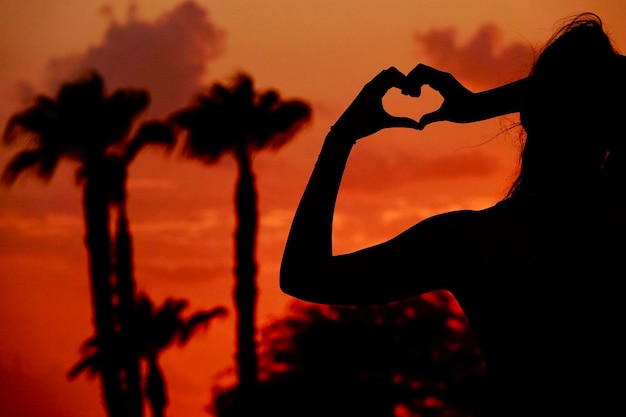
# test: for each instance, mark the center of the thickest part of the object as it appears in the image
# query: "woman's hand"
(366, 114)
(458, 104)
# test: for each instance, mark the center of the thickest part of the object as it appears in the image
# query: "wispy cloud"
(482, 59)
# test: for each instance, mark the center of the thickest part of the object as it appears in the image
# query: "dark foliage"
(416, 357)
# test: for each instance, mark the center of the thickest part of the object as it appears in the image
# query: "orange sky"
(181, 212)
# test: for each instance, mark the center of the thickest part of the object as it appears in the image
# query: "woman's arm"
(414, 262)
(309, 271)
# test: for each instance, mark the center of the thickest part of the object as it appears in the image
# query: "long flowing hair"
(572, 110)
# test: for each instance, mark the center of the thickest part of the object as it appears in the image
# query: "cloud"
(483, 59)
(168, 57)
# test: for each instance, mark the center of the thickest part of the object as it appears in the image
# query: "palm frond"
(151, 133)
(33, 123)
(203, 124)
(291, 114)
(91, 362)
(38, 160)
(166, 322)
(121, 109)
(242, 96)
(145, 307)
(171, 308)
(198, 320)
(282, 123)
(48, 165)
(82, 94)
(268, 101)
(218, 94)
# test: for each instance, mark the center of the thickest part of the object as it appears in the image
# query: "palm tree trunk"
(98, 242)
(245, 284)
(156, 390)
(127, 308)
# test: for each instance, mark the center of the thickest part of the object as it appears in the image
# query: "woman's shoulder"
(499, 214)
(473, 232)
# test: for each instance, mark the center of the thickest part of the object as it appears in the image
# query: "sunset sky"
(181, 212)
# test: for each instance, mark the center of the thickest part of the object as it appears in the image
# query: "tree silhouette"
(411, 358)
(82, 124)
(235, 119)
(157, 329)
(152, 133)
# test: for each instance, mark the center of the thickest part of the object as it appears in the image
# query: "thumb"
(405, 122)
(429, 118)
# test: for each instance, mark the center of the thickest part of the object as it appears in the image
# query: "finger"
(425, 75)
(412, 90)
(415, 79)
(387, 79)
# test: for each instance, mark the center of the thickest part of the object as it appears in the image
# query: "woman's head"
(573, 110)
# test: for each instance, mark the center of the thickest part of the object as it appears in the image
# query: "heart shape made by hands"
(397, 104)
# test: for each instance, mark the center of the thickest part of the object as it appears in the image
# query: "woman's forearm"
(309, 244)
(499, 101)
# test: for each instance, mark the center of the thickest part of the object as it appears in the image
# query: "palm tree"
(151, 133)
(82, 123)
(157, 329)
(128, 325)
(235, 119)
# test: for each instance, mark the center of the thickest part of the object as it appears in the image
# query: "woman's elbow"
(302, 283)
(291, 279)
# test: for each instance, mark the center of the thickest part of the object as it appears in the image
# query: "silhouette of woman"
(537, 274)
